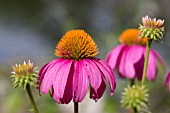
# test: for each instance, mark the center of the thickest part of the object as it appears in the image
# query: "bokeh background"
(30, 29)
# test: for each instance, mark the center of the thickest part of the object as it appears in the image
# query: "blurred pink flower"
(129, 57)
(167, 81)
(69, 77)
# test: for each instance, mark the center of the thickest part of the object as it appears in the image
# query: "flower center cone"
(76, 44)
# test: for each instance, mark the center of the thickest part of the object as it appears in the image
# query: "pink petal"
(159, 59)
(133, 55)
(41, 76)
(108, 73)
(97, 95)
(75, 80)
(80, 81)
(93, 73)
(139, 67)
(152, 67)
(68, 93)
(143, 21)
(54, 96)
(101, 89)
(123, 65)
(113, 56)
(60, 80)
(43, 70)
(56, 99)
(167, 80)
(50, 74)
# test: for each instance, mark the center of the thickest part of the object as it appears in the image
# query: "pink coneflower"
(167, 81)
(69, 76)
(129, 56)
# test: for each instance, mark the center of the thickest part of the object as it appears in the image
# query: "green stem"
(131, 84)
(148, 47)
(31, 99)
(76, 106)
(135, 110)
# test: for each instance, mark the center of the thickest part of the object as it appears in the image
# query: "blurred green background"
(30, 29)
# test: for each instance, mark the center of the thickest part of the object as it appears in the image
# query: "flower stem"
(135, 110)
(76, 106)
(131, 84)
(31, 99)
(148, 46)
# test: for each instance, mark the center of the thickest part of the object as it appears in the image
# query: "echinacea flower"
(24, 74)
(69, 76)
(129, 56)
(167, 81)
(152, 28)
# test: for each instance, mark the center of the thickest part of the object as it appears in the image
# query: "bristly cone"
(76, 44)
(135, 97)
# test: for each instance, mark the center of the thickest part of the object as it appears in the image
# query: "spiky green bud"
(152, 28)
(24, 74)
(135, 97)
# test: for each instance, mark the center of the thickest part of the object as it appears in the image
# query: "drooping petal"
(80, 81)
(54, 96)
(41, 76)
(139, 68)
(152, 67)
(94, 74)
(68, 92)
(42, 71)
(108, 73)
(159, 59)
(122, 64)
(101, 89)
(50, 74)
(60, 80)
(133, 55)
(113, 56)
(167, 80)
(75, 80)
(97, 95)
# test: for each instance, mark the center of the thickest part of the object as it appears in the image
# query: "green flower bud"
(24, 74)
(135, 97)
(152, 28)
